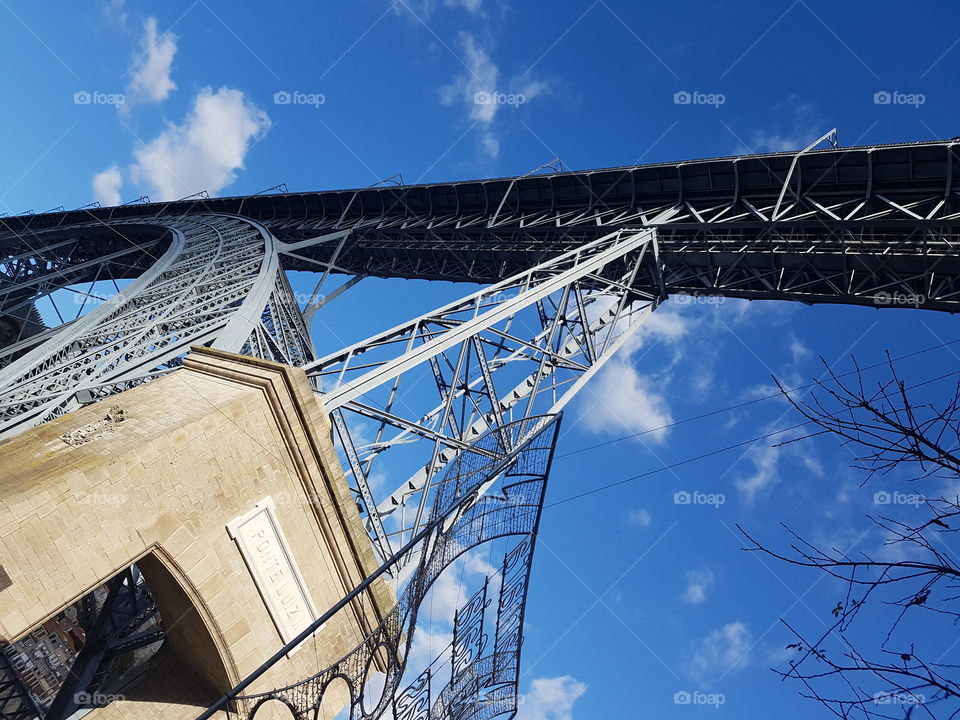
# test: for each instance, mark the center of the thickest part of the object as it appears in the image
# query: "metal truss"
(572, 261)
(72, 263)
(116, 619)
(490, 500)
(15, 700)
(519, 348)
(218, 283)
(813, 228)
(127, 621)
(872, 226)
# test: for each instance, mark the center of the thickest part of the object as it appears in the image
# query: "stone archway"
(193, 668)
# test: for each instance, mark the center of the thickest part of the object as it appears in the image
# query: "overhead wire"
(719, 451)
(746, 403)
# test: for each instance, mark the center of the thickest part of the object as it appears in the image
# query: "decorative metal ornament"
(491, 491)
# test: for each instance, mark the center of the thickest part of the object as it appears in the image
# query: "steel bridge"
(874, 226)
(569, 264)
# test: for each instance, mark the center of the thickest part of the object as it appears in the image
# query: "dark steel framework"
(123, 621)
(574, 262)
(832, 225)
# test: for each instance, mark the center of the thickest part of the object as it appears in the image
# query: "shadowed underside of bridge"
(569, 265)
(586, 254)
(833, 225)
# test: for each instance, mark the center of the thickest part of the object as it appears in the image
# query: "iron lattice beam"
(574, 260)
(868, 226)
(519, 348)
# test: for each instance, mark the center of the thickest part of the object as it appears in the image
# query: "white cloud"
(805, 126)
(773, 142)
(766, 471)
(471, 6)
(106, 186)
(698, 582)
(206, 150)
(490, 144)
(798, 350)
(151, 81)
(428, 643)
(722, 651)
(480, 90)
(624, 399)
(664, 325)
(551, 698)
(531, 88)
(448, 592)
(766, 463)
(114, 11)
(640, 517)
(422, 9)
(478, 82)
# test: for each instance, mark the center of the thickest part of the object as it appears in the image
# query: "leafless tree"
(875, 657)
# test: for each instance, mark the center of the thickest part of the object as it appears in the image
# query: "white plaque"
(274, 569)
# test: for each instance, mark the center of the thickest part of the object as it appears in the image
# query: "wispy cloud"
(106, 186)
(423, 9)
(698, 582)
(640, 517)
(206, 150)
(794, 123)
(114, 11)
(722, 651)
(623, 398)
(766, 462)
(482, 92)
(150, 80)
(798, 350)
(551, 698)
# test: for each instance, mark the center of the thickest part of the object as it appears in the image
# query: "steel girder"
(218, 283)
(70, 259)
(842, 224)
(15, 700)
(126, 622)
(869, 226)
(519, 348)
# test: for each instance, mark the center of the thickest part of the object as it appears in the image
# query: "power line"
(745, 403)
(734, 446)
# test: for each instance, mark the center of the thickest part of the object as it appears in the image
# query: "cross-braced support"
(574, 261)
(490, 499)
(218, 283)
(519, 348)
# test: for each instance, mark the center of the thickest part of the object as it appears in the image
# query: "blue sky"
(635, 597)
